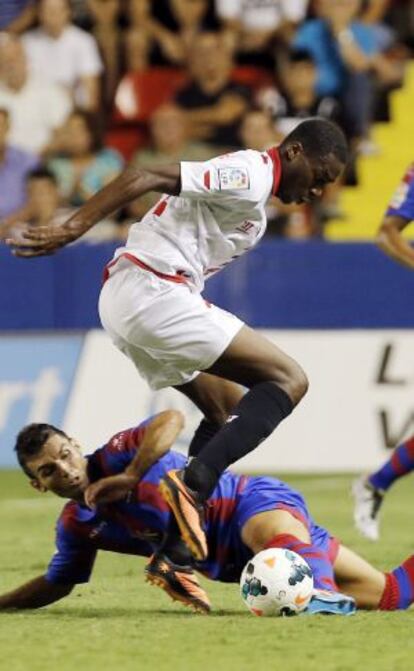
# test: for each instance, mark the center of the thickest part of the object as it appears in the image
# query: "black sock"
(205, 431)
(174, 547)
(254, 418)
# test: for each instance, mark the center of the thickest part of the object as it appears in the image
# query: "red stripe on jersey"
(160, 207)
(207, 179)
(148, 493)
(409, 175)
(179, 279)
(277, 169)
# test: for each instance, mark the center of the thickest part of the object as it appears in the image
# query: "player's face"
(304, 180)
(60, 467)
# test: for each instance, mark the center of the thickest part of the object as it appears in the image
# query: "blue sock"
(401, 463)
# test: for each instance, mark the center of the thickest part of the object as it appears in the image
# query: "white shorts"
(170, 332)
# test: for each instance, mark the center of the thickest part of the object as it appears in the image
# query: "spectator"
(169, 143)
(44, 206)
(213, 103)
(64, 54)
(84, 166)
(188, 16)
(17, 16)
(36, 107)
(298, 98)
(43, 199)
(252, 25)
(346, 53)
(14, 166)
(257, 130)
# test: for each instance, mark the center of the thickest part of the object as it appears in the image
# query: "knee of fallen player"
(262, 529)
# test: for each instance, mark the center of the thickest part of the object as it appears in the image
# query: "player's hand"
(107, 490)
(41, 240)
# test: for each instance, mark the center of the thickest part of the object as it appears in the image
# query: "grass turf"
(120, 622)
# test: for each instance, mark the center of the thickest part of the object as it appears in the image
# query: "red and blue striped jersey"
(402, 202)
(136, 525)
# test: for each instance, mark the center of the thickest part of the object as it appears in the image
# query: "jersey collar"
(277, 168)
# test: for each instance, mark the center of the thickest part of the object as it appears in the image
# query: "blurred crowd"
(88, 86)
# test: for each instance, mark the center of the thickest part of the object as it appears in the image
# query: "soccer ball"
(276, 582)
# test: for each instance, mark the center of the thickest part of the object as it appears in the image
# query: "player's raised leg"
(369, 490)
(276, 384)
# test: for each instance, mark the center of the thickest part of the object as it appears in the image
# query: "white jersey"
(219, 215)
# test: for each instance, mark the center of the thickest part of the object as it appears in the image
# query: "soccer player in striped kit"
(369, 490)
(126, 514)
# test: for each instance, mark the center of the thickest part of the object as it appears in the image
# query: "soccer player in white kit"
(151, 304)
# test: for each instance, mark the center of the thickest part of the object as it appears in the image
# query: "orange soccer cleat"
(188, 513)
(180, 582)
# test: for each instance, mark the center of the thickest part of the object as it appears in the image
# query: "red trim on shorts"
(207, 179)
(333, 549)
(277, 168)
(178, 279)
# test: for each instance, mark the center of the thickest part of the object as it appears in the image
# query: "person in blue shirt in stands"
(347, 52)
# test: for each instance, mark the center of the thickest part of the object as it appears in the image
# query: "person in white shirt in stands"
(36, 107)
(253, 23)
(64, 54)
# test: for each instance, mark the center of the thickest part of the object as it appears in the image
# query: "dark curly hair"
(30, 441)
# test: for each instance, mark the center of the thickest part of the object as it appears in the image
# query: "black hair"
(319, 138)
(30, 442)
(41, 172)
(300, 56)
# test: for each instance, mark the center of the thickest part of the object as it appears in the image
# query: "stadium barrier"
(359, 404)
(280, 284)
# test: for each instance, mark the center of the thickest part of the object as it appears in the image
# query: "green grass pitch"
(119, 622)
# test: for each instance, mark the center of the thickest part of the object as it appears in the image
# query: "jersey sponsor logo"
(233, 178)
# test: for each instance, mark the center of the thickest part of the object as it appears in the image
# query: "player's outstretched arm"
(129, 185)
(160, 435)
(391, 241)
(36, 593)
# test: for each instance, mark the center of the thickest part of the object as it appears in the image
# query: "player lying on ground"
(369, 490)
(127, 514)
(151, 304)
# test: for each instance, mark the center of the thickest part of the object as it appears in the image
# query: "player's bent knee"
(301, 385)
(296, 385)
(262, 528)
